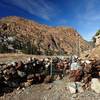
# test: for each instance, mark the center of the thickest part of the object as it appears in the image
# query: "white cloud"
(91, 13)
(41, 8)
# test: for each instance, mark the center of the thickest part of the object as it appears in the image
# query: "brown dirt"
(93, 53)
(7, 57)
(54, 91)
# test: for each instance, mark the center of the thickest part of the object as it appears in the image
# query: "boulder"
(28, 83)
(21, 73)
(79, 86)
(75, 87)
(95, 85)
(72, 87)
(75, 75)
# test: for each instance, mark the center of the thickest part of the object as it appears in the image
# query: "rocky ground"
(90, 54)
(54, 91)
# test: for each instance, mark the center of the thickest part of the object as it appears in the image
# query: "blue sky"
(82, 15)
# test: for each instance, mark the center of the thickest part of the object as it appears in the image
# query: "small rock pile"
(88, 76)
(91, 69)
(22, 74)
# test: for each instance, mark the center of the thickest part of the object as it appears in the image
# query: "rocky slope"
(17, 33)
(93, 53)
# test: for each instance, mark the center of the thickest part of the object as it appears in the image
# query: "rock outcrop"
(17, 33)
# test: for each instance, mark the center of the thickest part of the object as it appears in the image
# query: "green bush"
(3, 49)
(97, 33)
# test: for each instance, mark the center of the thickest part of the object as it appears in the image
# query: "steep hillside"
(17, 33)
(92, 53)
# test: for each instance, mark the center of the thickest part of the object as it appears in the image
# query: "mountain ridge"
(42, 38)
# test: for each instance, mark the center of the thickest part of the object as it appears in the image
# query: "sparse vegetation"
(97, 33)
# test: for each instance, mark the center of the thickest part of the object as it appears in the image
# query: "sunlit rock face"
(40, 39)
(95, 85)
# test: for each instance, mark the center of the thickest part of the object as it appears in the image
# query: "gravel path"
(54, 91)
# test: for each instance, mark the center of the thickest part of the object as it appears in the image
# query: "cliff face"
(19, 34)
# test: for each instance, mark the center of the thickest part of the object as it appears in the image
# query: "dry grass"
(16, 57)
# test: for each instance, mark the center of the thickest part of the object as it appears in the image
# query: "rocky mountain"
(19, 34)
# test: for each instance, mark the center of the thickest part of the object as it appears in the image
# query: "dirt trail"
(54, 91)
(16, 57)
